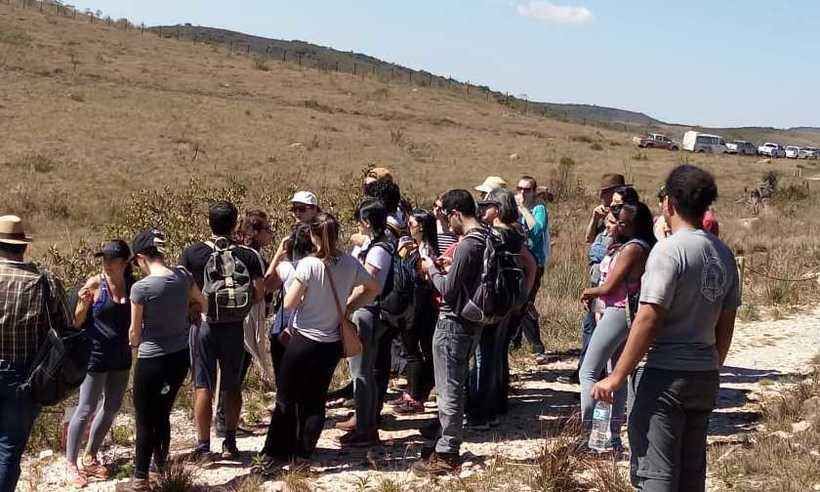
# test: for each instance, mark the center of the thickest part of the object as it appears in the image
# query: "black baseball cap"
(148, 241)
(116, 248)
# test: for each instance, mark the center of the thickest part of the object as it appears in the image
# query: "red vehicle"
(655, 141)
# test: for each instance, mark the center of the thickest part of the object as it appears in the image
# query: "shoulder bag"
(351, 343)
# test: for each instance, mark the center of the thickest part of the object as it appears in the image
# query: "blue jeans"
(453, 342)
(603, 352)
(17, 415)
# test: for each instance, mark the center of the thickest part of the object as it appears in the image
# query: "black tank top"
(107, 329)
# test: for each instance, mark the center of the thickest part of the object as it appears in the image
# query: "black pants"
(525, 321)
(220, 408)
(303, 379)
(156, 383)
(418, 342)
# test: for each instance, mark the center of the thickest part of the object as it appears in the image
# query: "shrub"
(596, 146)
(581, 139)
(260, 63)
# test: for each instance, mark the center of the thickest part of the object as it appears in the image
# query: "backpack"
(397, 300)
(60, 365)
(227, 283)
(502, 284)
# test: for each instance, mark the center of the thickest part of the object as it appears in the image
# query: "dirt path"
(763, 350)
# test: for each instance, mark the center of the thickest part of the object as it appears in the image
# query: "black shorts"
(222, 344)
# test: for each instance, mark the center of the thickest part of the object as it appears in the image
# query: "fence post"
(300, 59)
(354, 69)
(284, 56)
(337, 66)
(249, 49)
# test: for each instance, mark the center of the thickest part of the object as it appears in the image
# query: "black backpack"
(227, 283)
(60, 366)
(397, 300)
(502, 286)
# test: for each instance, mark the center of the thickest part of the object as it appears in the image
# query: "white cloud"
(554, 14)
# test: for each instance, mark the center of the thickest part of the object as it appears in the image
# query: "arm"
(529, 218)
(592, 227)
(627, 259)
(724, 330)
(197, 300)
(536, 220)
(86, 296)
(644, 330)
(272, 281)
(135, 330)
(294, 295)
(363, 295)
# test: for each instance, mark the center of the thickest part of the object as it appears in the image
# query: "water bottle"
(600, 438)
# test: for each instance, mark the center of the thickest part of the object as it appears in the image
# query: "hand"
(588, 295)
(519, 199)
(86, 295)
(357, 239)
(604, 389)
(444, 262)
(599, 212)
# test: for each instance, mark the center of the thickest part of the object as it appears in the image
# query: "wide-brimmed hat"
(12, 230)
(491, 184)
(612, 181)
(114, 249)
(380, 174)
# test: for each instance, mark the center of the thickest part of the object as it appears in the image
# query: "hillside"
(90, 112)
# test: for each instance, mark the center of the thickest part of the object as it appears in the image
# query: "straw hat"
(492, 183)
(612, 181)
(12, 230)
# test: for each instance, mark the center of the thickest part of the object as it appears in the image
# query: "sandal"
(96, 469)
(79, 481)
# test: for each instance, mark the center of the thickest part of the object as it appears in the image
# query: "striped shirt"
(445, 239)
(23, 324)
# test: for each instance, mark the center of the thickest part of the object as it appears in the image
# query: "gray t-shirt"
(693, 276)
(165, 322)
(317, 317)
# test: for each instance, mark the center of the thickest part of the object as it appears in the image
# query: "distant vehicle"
(655, 141)
(808, 153)
(792, 152)
(772, 150)
(703, 142)
(741, 147)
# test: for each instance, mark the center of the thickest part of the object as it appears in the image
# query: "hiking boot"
(348, 425)
(431, 431)
(542, 359)
(230, 451)
(360, 439)
(408, 407)
(437, 464)
(200, 455)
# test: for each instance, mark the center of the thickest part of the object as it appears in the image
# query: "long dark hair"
(252, 222)
(373, 211)
(642, 223)
(427, 221)
(300, 244)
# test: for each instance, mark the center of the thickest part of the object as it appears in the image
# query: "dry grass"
(778, 457)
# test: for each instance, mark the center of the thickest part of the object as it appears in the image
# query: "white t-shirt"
(317, 317)
(379, 257)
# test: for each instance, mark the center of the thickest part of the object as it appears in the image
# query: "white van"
(703, 142)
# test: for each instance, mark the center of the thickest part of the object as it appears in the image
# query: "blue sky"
(708, 62)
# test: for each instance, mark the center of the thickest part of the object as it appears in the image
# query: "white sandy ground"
(763, 350)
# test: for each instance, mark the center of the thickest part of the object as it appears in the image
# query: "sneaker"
(134, 485)
(95, 469)
(200, 455)
(542, 359)
(403, 397)
(431, 431)
(230, 451)
(348, 425)
(437, 464)
(408, 407)
(360, 439)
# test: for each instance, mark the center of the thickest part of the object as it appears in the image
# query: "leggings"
(156, 383)
(111, 386)
(604, 349)
(418, 341)
(303, 378)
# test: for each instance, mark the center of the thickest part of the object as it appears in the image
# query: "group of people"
(660, 314)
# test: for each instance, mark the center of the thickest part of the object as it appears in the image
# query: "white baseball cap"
(305, 197)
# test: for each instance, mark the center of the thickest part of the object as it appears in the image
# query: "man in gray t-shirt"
(689, 299)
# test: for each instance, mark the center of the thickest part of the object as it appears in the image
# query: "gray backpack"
(227, 284)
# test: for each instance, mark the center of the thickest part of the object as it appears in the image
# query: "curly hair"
(692, 190)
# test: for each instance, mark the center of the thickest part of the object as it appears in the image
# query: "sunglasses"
(523, 189)
(298, 209)
(616, 209)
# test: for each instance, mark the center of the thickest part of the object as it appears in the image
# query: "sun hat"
(491, 184)
(380, 173)
(305, 197)
(612, 181)
(151, 240)
(116, 248)
(12, 230)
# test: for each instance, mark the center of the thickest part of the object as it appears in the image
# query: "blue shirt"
(597, 250)
(538, 234)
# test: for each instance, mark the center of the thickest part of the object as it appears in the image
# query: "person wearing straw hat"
(491, 184)
(23, 328)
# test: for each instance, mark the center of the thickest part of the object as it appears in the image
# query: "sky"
(700, 62)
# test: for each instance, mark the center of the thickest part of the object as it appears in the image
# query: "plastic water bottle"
(600, 439)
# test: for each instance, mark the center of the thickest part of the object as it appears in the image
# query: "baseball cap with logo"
(151, 241)
(114, 249)
(305, 197)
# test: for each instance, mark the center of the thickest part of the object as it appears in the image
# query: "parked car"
(703, 142)
(792, 151)
(655, 141)
(808, 153)
(772, 150)
(741, 147)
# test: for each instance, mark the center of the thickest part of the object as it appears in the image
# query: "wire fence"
(264, 52)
